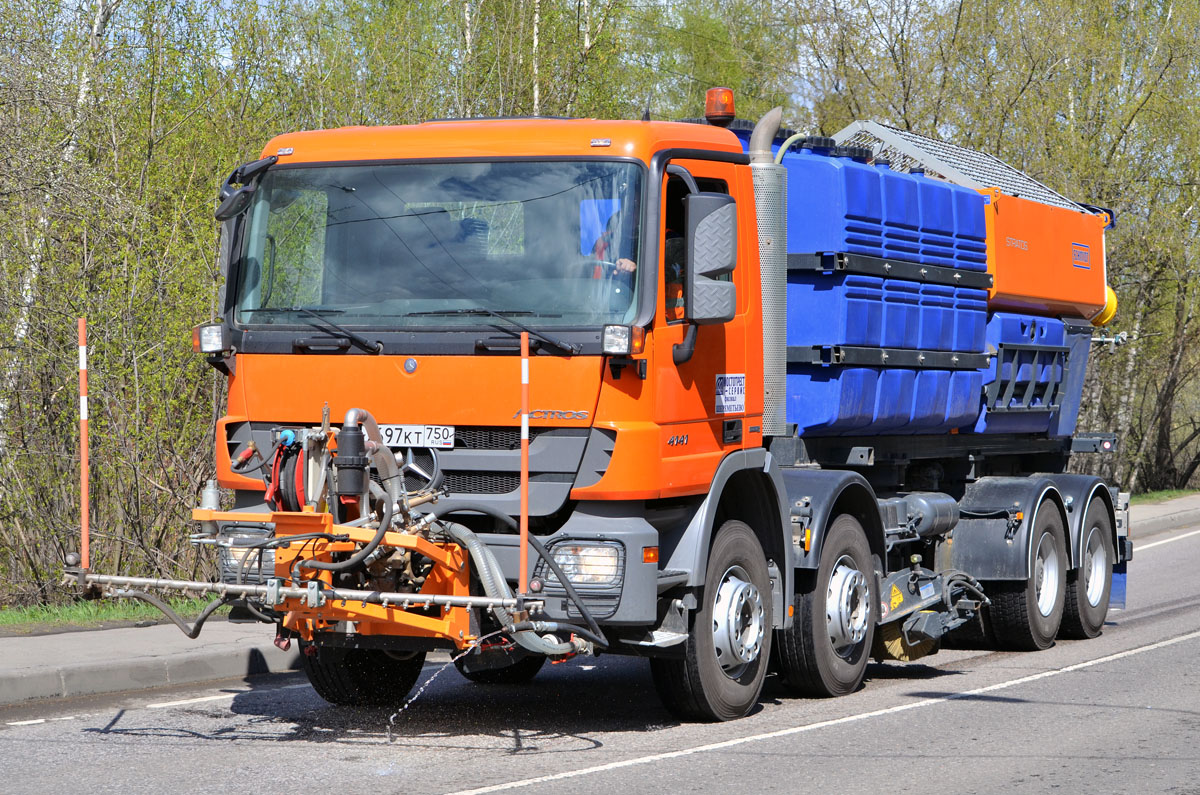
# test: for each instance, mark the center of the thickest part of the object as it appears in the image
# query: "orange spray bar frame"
(447, 586)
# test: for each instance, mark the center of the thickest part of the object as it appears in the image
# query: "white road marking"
(230, 694)
(26, 722)
(1143, 547)
(699, 749)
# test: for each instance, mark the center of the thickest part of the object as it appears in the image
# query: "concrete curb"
(1150, 525)
(35, 668)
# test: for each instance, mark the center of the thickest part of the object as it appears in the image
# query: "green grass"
(88, 612)
(1151, 497)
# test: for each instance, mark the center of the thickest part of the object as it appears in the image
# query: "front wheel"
(1025, 616)
(825, 652)
(362, 677)
(1089, 588)
(729, 640)
(520, 672)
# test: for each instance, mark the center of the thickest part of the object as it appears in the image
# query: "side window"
(291, 255)
(674, 247)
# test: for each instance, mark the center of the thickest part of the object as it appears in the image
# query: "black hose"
(385, 522)
(194, 630)
(477, 507)
(559, 626)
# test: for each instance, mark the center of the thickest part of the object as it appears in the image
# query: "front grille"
(497, 482)
(503, 437)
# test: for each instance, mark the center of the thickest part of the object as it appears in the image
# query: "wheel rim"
(847, 607)
(1045, 575)
(1094, 568)
(738, 626)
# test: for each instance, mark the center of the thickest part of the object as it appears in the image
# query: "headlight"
(624, 340)
(209, 338)
(589, 564)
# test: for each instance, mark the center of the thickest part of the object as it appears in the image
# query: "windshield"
(550, 243)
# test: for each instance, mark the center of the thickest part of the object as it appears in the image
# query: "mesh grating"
(907, 150)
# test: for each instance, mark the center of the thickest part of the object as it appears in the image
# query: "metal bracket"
(314, 597)
(274, 597)
(852, 355)
(889, 268)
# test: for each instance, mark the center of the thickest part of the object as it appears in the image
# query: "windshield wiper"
(471, 310)
(360, 341)
(565, 347)
(281, 309)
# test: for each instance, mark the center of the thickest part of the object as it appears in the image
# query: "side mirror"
(234, 201)
(712, 253)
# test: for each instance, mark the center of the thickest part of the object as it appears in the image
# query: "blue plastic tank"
(901, 314)
(970, 320)
(901, 213)
(970, 230)
(830, 400)
(937, 317)
(936, 200)
(834, 309)
(1030, 364)
(834, 201)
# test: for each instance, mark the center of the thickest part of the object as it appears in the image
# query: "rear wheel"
(1089, 587)
(520, 672)
(729, 641)
(362, 677)
(825, 652)
(1026, 615)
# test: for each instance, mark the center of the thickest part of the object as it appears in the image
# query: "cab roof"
(498, 138)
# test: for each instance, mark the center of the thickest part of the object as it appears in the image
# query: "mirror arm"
(682, 352)
(685, 175)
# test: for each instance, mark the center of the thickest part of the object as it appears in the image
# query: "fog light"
(209, 338)
(589, 564)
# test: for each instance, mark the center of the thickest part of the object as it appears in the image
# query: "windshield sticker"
(731, 393)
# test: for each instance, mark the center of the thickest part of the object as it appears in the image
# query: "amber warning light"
(718, 106)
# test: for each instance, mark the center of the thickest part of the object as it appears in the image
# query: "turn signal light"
(718, 106)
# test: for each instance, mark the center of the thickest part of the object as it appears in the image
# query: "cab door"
(700, 404)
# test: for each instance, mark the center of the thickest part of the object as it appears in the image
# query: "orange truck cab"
(682, 504)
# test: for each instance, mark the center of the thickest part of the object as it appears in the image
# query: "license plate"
(418, 435)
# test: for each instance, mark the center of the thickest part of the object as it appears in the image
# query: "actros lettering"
(553, 414)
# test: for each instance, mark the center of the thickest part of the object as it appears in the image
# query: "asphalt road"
(1120, 713)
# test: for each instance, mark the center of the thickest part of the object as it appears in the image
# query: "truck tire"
(520, 672)
(362, 677)
(1025, 616)
(728, 646)
(825, 652)
(1089, 587)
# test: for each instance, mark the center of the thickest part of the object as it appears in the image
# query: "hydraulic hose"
(385, 522)
(194, 630)
(495, 586)
(537, 545)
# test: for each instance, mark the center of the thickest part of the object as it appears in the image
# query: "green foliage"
(120, 119)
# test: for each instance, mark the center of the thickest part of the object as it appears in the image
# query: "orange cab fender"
(816, 497)
(746, 487)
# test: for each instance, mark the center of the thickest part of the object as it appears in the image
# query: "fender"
(690, 553)
(1078, 492)
(986, 548)
(817, 496)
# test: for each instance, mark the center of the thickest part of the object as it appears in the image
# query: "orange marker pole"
(523, 585)
(83, 445)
